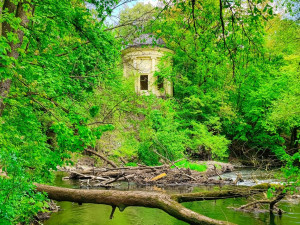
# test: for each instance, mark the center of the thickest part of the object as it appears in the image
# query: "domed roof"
(147, 39)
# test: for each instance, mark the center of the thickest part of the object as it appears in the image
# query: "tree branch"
(102, 157)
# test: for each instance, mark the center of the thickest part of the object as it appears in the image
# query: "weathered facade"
(140, 60)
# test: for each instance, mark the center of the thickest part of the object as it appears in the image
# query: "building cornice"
(145, 48)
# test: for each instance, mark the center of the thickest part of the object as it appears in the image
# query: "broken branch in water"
(239, 177)
(250, 206)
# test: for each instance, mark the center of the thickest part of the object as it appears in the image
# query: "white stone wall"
(144, 61)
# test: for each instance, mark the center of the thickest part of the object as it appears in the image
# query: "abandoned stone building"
(140, 59)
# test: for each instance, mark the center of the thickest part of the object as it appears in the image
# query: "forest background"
(236, 83)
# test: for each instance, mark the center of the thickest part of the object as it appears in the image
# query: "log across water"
(168, 203)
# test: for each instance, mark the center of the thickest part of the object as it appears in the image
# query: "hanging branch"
(224, 39)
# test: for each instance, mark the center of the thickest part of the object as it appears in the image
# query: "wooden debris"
(238, 178)
(145, 175)
(159, 177)
(102, 157)
(271, 203)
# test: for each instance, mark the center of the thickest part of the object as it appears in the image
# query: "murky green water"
(93, 214)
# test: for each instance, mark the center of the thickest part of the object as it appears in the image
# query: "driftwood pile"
(155, 175)
(167, 174)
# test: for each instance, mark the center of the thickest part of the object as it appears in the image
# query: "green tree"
(53, 54)
(230, 73)
(134, 21)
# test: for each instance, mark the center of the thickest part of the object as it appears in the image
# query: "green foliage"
(64, 54)
(202, 141)
(166, 139)
(270, 192)
(147, 156)
(94, 110)
(193, 166)
(133, 21)
(132, 164)
(236, 77)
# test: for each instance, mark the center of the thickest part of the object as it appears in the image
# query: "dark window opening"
(144, 82)
(160, 82)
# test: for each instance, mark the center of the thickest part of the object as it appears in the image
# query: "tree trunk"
(123, 199)
(4, 89)
(6, 28)
(294, 142)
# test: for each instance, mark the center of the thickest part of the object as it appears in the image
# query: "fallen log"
(131, 169)
(138, 168)
(76, 175)
(123, 199)
(215, 195)
(102, 157)
(123, 161)
(122, 172)
(168, 203)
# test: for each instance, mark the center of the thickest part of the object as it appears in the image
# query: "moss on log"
(223, 194)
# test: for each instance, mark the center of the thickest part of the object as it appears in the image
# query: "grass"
(218, 166)
(193, 166)
(131, 164)
(181, 164)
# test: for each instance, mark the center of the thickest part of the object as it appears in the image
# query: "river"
(93, 214)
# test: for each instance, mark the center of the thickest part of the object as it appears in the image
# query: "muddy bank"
(42, 216)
